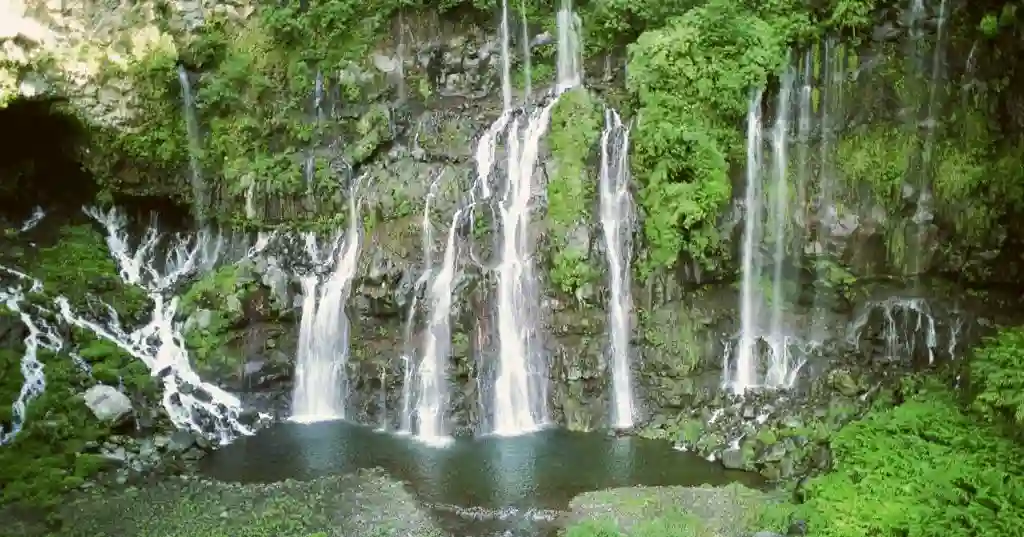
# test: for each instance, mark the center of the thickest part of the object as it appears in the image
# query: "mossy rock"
(667, 512)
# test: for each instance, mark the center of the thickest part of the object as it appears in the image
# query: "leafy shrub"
(997, 377)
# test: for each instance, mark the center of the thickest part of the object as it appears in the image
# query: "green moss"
(877, 159)
(216, 305)
(77, 266)
(692, 79)
(46, 457)
(666, 511)
(148, 154)
(574, 135)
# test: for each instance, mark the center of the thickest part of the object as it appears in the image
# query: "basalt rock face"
(878, 333)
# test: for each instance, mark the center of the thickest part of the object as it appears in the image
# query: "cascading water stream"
(781, 221)
(34, 383)
(569, 64)
(764, 335)
(190, 403)
(617, 227)
(432, 392)
(320, 376)
(409, 353)
(194, 144)
(743, 372)
(519, 391)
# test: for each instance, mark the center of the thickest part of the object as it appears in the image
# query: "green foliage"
(692, 80)
(997, 377)
(922, 469)
(47, 456)
(928, 467)
(148, 156)
(573, 137)
(78, 265)
(877, 160)
(975, 180)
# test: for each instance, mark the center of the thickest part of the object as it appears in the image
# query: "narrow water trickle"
(409, 352)
(617, 226)
(320, 377)
(309, 173)
(195, 145)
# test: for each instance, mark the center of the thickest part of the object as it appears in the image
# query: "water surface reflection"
(542, 470)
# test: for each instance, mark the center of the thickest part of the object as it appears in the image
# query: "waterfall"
(320, 376)
(569, 67)
(309, 174)
(926, 119)
(409, 353)
(909, 327)
(190, 403)
(519, 391)
(617, 225)
(194, 145)
(744, 370)
(506, 58)
(432, 392)
(781, 220)
(520, 387)
(768, 220)
(527, 70)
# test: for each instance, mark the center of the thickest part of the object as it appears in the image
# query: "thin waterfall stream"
(195, 145)
(617, 225)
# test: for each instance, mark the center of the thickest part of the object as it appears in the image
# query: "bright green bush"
(929, 467)
(997, 377)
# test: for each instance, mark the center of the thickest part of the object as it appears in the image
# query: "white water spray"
(320, 376)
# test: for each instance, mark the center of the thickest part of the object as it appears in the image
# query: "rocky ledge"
(706, 511)
(362, 504)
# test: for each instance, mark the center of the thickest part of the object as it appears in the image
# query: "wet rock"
(733, 459)
(107, 403)
(181, 441)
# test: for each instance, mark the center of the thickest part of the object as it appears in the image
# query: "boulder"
(107, 403)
